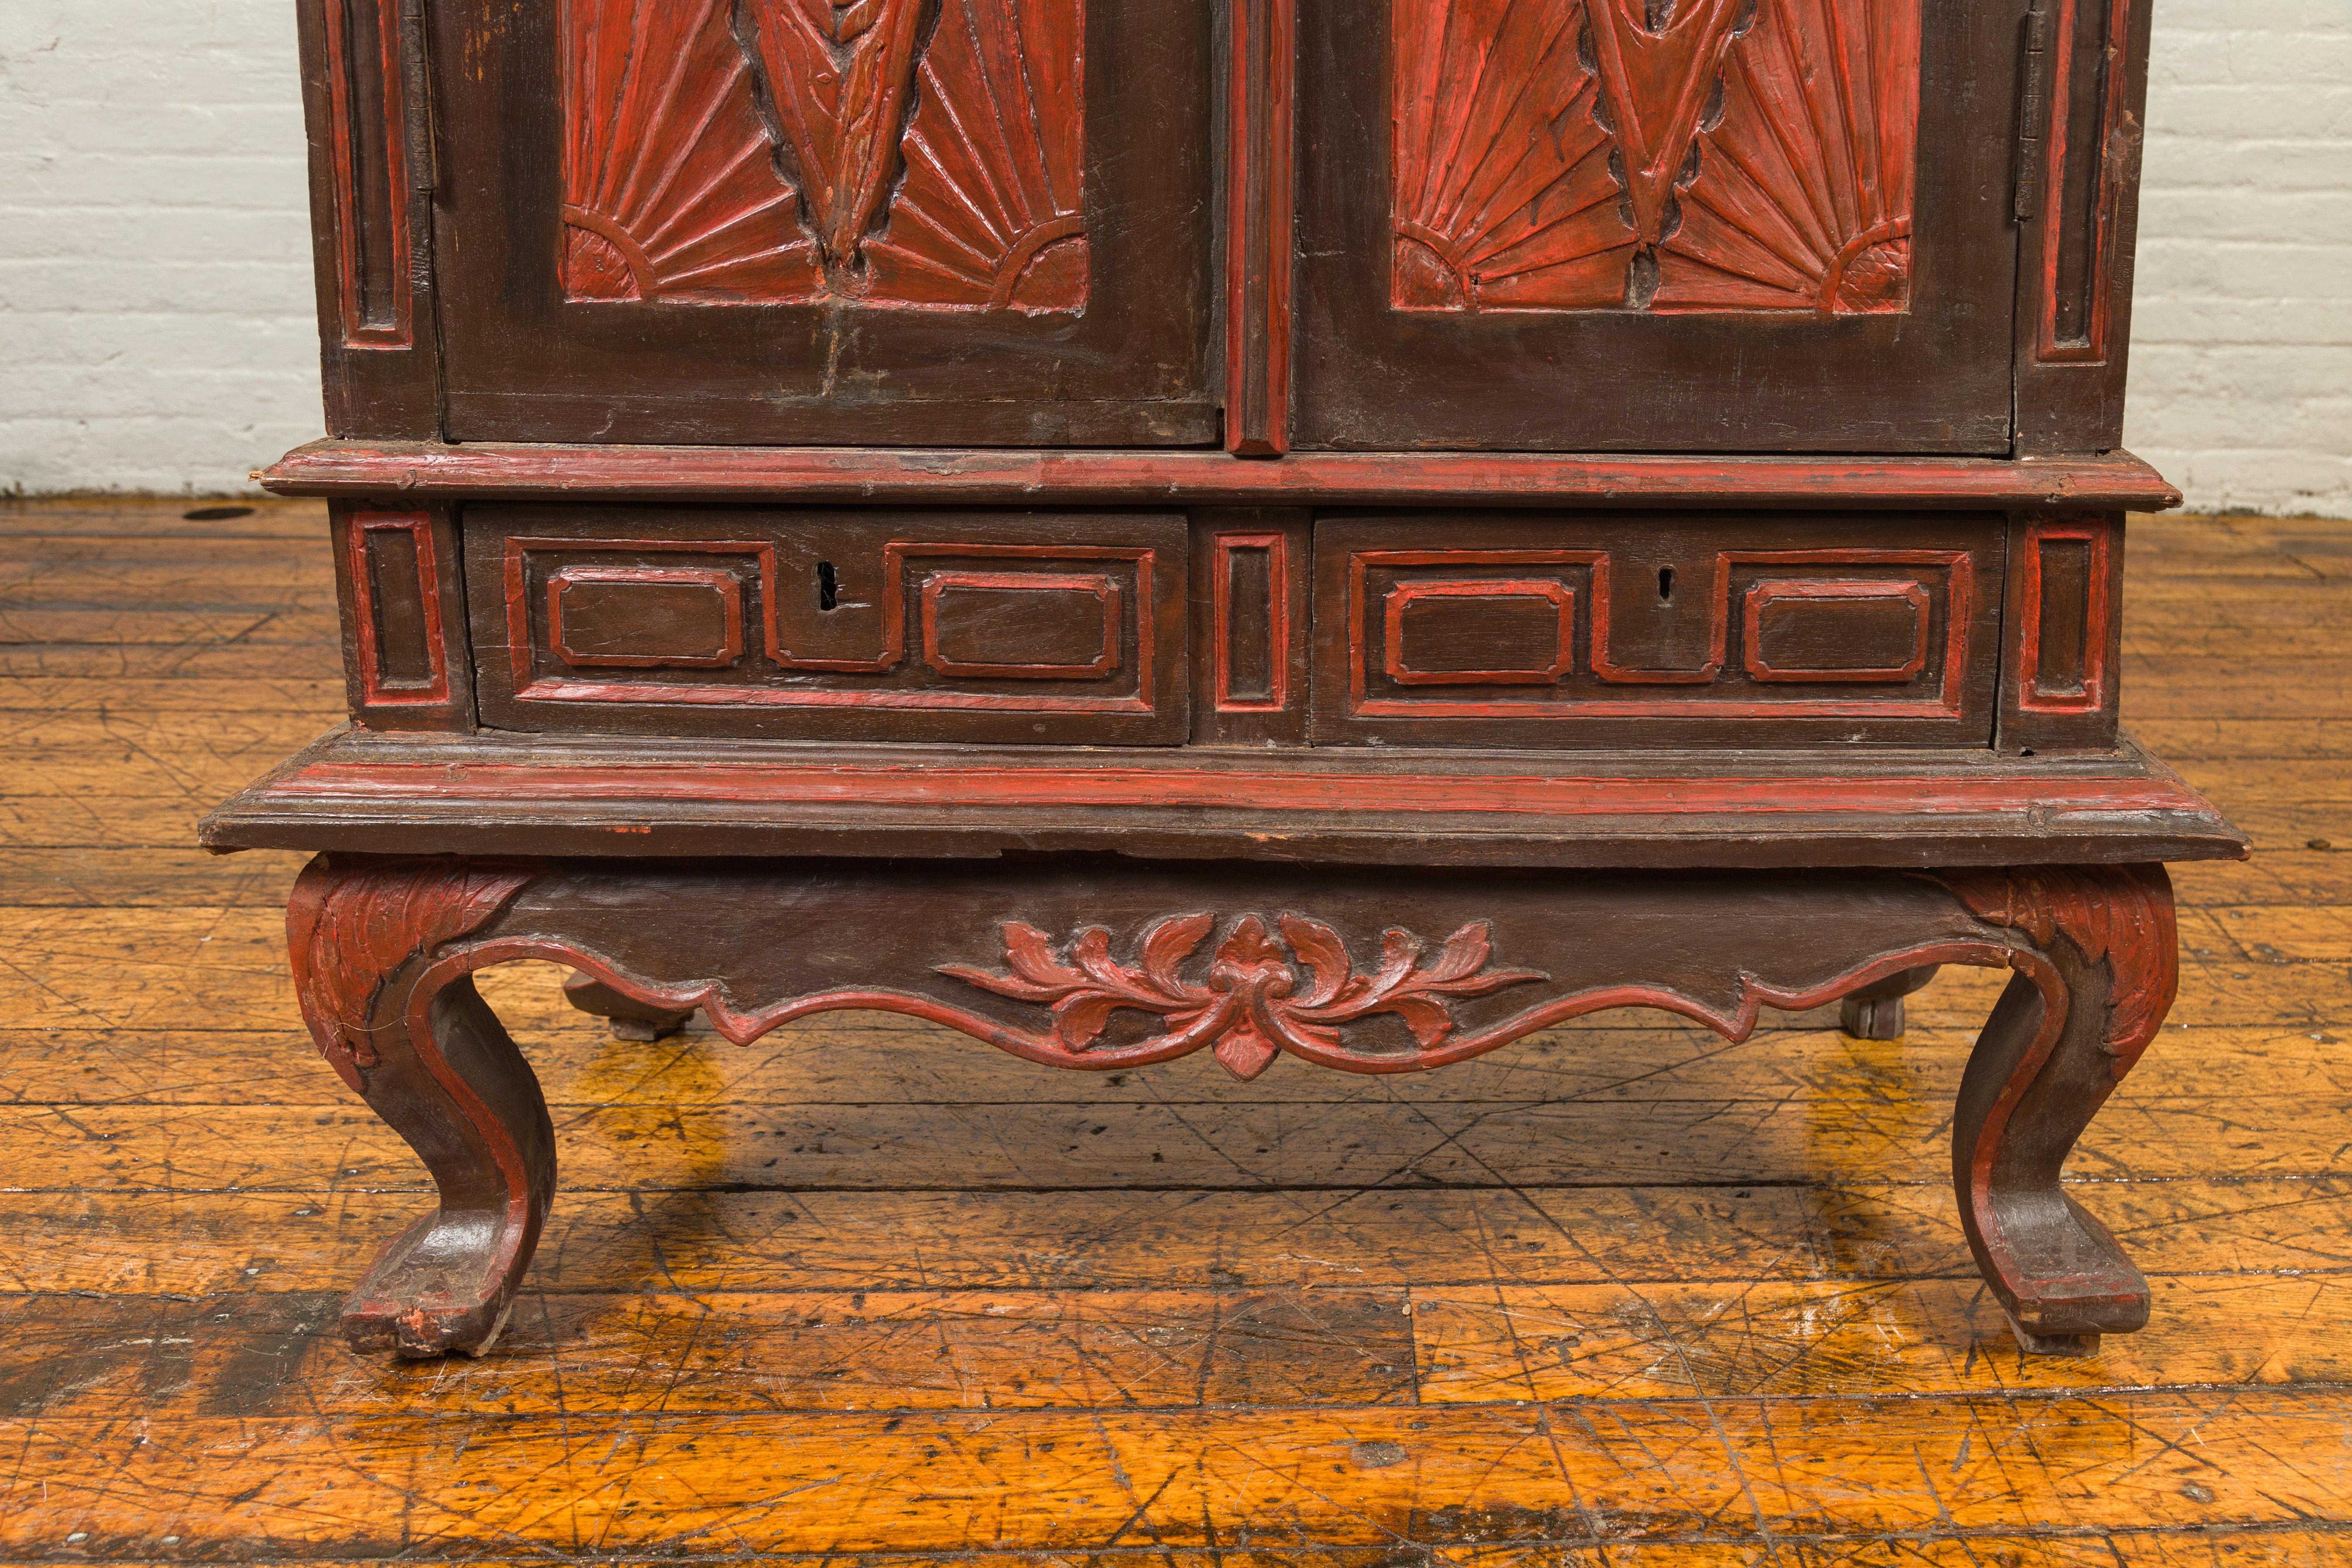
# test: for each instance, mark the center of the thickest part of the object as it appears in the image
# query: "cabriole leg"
(394, 1010)
(2086, 1000)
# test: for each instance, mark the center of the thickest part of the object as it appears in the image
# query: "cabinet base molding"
(1097, 964)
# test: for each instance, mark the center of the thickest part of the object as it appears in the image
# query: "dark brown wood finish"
(2078, 204)
(1102, 968)
(2113, 479)
(1374, 806)
(399, 575)
(2063, 629)
(1599, 631)
(1934, 376)
(1668, 553)
(371, 186)
(1129, 368)
(1024, 627)
(1252, 613)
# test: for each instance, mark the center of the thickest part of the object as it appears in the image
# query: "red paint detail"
(1260, 995)
(668, 164)
(529, 688)
(1528, 173)
(838, 83)
(1049, 1049)
(1106, 598)
(349, 931)
(2122, 916)
(1804, 192)
(343, 159)
(729, 588)
(374, 691)
(481, 471)
(1221, 599)
(2092, 347)
(1655, 83)
(1946, 704)
(2092, 696)
(1762, 595)
(1558, 595)
(941, 153)
(1261, 193)
(992, 213)
(1233, 789)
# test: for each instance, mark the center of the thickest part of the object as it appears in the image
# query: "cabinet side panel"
(2081, 206)
(364, 95)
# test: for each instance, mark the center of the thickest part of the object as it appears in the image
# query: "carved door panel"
(892, 222)
(1658, 225)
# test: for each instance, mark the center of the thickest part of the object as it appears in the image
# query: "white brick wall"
(2242, 343)
(156, 329)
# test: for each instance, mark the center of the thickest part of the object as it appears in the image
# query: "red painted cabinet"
(1350, 531)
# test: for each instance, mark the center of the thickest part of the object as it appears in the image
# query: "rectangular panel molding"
(367, 134)
(831, 623)
(2063, 662)
(396, 577)
(645, 617)
(1251, 589)
(2081, 183)
(1683, 631)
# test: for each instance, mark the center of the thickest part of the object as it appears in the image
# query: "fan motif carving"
(1252, 1002)
(902, 153)
(1665, 155)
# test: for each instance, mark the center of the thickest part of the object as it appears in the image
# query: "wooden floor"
(1622, 1292)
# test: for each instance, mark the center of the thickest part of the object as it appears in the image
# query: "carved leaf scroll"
(1260, 995)
(350, 932)
(900, 153)
(1654, 154)
(2119, 915)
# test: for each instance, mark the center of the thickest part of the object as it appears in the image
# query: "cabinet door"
(1658, 225)
(894, 222)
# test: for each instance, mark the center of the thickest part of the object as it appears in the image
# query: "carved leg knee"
(393, 1007)
(2089, 995)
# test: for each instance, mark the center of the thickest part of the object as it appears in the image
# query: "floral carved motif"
(1260, 994)
(1654, 154)
(908, 153)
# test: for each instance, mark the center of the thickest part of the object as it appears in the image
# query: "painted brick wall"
(156, 329)
(2242, 338)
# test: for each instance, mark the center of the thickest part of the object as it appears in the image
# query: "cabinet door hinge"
(2032, 110)
(416, 92)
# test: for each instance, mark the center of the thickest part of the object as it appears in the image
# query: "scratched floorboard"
(868, 1293)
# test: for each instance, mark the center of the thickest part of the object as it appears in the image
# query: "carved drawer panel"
(1585, 631)
(1027, 627)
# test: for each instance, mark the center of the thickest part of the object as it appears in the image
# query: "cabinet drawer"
(1008, 628)
(1574, 630)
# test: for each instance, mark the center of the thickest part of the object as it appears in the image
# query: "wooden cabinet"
(1351, 532)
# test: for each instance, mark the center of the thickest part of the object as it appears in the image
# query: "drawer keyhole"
(1665, 584)
(828, 587)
